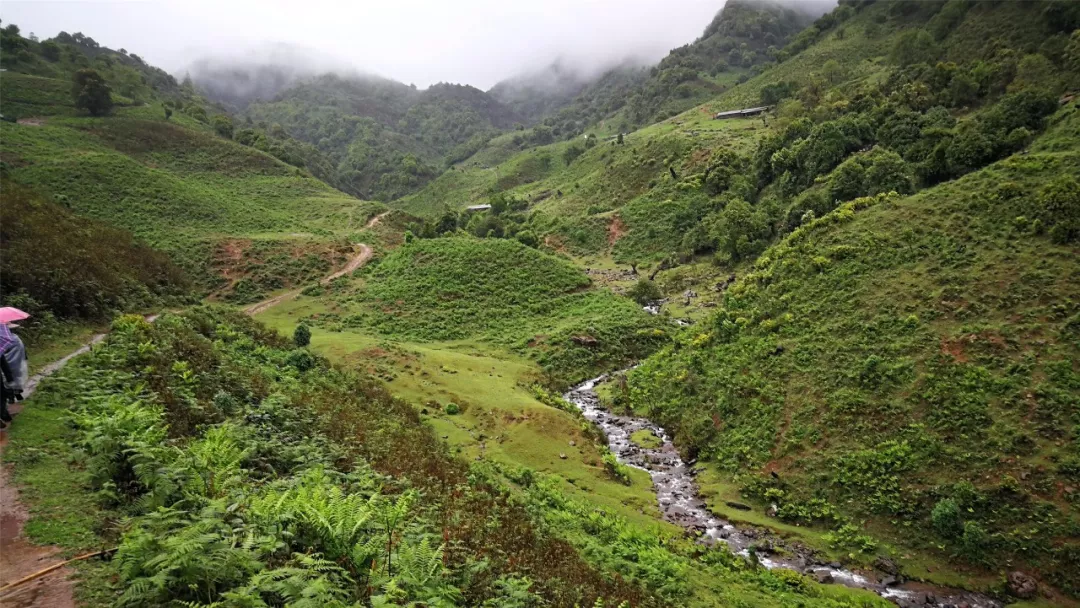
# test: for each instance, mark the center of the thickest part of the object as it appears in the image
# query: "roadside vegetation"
(242, 469)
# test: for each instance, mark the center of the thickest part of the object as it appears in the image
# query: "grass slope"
(498, 291)
(911, 364)
(182, 189)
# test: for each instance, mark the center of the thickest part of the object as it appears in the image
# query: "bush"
(645, 292)
(302, 336)
(223, 125)
(915, 46)
(50, 51)
(452, 409)
(946, 518)
(571, 154)
(1059, 207)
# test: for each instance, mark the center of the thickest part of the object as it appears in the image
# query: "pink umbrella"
(9, 314)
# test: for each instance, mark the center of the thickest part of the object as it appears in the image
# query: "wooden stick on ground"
(41, 573)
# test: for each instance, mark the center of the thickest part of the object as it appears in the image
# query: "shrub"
(223, 125)
(915, 46)
(452, 409)
(645, 292)
(302, 336)
(1059, 206)
(946, 518)
(615, 469)
(50, 51)
(571, 153)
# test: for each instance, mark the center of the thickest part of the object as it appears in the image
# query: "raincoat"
(13, 350)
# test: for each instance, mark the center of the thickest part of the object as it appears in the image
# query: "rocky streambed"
(680, 502)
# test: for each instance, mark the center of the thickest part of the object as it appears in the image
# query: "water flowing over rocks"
(681, 504)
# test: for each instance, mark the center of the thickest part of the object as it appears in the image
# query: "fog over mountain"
(477, 42)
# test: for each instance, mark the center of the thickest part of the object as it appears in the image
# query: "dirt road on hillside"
(357, 261)
(375, 220)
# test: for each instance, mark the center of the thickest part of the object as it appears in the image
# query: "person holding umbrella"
(13, 366)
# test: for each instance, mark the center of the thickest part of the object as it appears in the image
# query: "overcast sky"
(477, 42)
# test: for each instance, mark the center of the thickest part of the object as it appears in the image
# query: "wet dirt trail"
(18, 556)
(680, 503)
(355, 262)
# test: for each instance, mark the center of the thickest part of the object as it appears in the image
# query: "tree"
(888, 173)
(915, 46)
(168, 112)
(963, 89)
(224, 126)
(91, 93)
(302, 335)
(570, 154)
(645, 292)
(1060, 207)
(848, 181)
(832, 71)
(739, 229)
(50, 50)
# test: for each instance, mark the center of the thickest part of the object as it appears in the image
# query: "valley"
(345, 327)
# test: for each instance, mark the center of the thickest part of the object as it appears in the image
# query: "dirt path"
(357, 261)
(18, 556)
(375, 220)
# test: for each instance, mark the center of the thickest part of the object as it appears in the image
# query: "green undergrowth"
(270, 477)
(232, 467)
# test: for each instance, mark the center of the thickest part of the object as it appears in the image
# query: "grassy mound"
(499, 291)
(442, 289)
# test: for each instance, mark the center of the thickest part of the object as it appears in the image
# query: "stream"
(677, 494)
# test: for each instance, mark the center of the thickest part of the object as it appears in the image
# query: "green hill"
(386, 139)
(165, 171)
(900, 366)
(58, 265)
(904, 363)
(497, 291)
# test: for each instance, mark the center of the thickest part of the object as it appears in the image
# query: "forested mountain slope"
(743, 36)
(385, 139)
